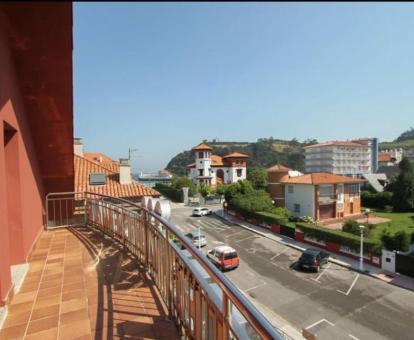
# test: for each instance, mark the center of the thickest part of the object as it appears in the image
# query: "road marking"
(260, 285)
(249, 272)
(246, 238)
(323, 272)
(251, 250)
(280, 253)
(217, 242)
(352, 285)
(237, 232)
(353, 337)
(318, 322)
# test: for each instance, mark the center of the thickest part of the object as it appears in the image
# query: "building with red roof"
(319, 195)
(213, 169)
(98, 173)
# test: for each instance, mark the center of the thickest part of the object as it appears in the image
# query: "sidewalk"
(399, 280)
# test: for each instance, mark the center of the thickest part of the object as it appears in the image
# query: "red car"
(224, 257)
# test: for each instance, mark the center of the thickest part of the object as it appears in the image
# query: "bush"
(340, 237)
(399, 241)
(175, 195)
(376, 200)
(181, 182)
(257, 200)
(271, 219)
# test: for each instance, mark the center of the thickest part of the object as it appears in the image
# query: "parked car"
(313, 259)
(199, 240)
(224, 257)
(201, 211)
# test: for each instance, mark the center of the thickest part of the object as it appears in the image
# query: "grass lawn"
(399, 221)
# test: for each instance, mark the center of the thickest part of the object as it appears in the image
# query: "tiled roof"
(236, 155)
(191, 165)
(102, 159)
(216, 161)
(202, 147)
(321, 178)
(83, 167)
(384, 157)
(336, 143)
(277, 168)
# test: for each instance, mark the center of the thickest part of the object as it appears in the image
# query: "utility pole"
(129, 153)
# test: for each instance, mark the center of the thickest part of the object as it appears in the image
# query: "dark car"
(313, 259)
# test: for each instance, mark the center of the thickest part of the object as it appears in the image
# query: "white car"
(201, 211)
(199, 240)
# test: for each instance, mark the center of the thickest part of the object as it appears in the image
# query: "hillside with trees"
(404, 141)
(262, 154)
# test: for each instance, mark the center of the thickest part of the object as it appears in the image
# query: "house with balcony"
(76, 264)
(212, 169)
(322, 196)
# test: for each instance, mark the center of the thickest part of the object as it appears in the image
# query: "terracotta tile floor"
(71, 293)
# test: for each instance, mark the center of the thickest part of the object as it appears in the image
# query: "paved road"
(336, 303)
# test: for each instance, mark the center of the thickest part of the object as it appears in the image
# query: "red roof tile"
(321, 178)
(202, 147)
(83, 167)
(102, 159)
(336, 143)
(384, 157)
(236, 155)
(277, 168)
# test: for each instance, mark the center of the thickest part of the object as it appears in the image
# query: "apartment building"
(339, 157)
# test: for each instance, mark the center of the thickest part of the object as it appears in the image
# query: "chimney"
(78, 146)
(124, 171)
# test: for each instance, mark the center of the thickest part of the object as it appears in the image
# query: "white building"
(339, 158)
(212, 169)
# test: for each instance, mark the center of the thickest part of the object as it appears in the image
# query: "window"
(353, 189)
(201, 155)
(326, 190)
(239, 172)
(290, 189)
(201, 172)
(97, 179)
(296, 208)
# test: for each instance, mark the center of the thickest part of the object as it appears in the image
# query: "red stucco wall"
(21, 189)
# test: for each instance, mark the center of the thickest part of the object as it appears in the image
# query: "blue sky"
(161, 77)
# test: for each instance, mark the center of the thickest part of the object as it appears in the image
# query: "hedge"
(173, 194)
(261, 216)
(376, 200)
(340, 237)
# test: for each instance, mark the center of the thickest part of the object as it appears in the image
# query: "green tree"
(403, 187)
(398, 241)
(258, 177)
(204, 190)
(255, 201)
(219, 191)
(179, 182)
(239, 187)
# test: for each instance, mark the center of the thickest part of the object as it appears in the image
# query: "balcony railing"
(203, 302)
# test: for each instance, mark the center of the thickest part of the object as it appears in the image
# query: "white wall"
(303, 195)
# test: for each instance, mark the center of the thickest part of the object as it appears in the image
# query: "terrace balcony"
(106, 268)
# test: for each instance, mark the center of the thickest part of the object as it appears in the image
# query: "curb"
(338, 262)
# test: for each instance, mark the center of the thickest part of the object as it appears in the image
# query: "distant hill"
(263, 153)
(404, 141)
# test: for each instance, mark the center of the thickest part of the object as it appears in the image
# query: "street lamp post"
(361, 253)
(199, 238)
(367, 211)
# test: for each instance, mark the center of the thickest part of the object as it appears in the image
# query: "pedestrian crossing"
(209, 224)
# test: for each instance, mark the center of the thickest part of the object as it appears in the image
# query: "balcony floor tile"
(82, 285)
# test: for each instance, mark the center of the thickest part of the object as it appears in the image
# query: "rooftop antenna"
(131, 151)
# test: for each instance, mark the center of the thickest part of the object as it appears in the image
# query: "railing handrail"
(246, 308)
